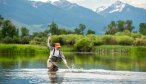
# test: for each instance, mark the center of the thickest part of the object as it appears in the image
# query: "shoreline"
(36, 49)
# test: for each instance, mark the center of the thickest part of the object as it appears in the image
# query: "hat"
(57, 45)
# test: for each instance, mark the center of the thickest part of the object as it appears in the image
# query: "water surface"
(87, 68)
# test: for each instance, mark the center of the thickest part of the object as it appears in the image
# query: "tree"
(1, 17)
(62, 31)
(53, 28)
(8, 29)
(24, 32)
(82, 27)
(90, 32)
(1, 21)
(129, 25)
(0, 34)
(77, 31)
(111, 28)
(142, 28)
(119, 26)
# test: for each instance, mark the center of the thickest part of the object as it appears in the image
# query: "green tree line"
(9, 33)
(117, 33)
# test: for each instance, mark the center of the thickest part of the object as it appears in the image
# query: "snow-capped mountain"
(118, 6)
(62, 12)
(101, 8)
(123, 11)
(64, 4)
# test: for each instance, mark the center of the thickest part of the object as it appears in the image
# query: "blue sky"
(93, 4)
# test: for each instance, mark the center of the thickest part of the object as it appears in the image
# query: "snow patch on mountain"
(64, 4)
(59, 3)
(101, 8)
(117, 6)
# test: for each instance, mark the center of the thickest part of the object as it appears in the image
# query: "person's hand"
(49, 39)
(67, 66)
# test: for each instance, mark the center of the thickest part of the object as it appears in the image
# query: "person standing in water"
(55, 54)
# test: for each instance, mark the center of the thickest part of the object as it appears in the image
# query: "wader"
(52, 62)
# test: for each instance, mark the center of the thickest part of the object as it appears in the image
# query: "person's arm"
(48, 43)
(64, 60)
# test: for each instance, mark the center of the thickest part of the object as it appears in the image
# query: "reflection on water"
(120, 62)
(88, 68)
(55, 78)
(75, 76)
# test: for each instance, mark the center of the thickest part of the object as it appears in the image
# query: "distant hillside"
(37, 15)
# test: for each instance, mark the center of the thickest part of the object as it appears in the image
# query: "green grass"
(114, 49)
(28, 49)
(103, 49)
(17, 48)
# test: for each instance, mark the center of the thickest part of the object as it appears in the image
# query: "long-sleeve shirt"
(56, 53)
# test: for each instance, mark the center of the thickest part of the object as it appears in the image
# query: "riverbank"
(103, 49)
(27, 49)
(118, 49)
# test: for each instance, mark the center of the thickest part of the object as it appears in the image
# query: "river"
(86, 68)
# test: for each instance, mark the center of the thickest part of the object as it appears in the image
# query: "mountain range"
(37, 15)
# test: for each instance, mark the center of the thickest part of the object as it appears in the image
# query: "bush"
(58, 39)
(66, 39)
(136, 35)
(109, 40)
(72, 39)
(25, 40)
(16, 40)
(126, 32)
(95, 39)
(37, 41)
(124, 40)
(140, 41)
(83, 45)
(7, 40)
(98, 41)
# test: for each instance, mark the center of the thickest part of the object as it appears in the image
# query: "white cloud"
(93, 4)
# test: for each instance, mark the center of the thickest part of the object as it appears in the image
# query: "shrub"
(136, 35)
(109, 39)
(125, 32)
(54, 38)
(16, 40)
(25, 40)
(72, 39)
(7, 40)
(98, 41)
(36, 41)
(124, 40)
(83, 45)
(58, 39)
(66, 39)
(95, 39)
(140, 41)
